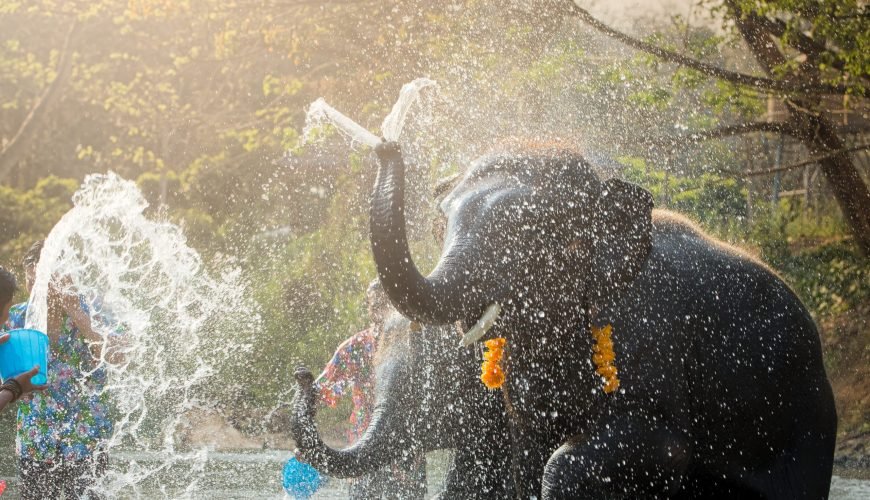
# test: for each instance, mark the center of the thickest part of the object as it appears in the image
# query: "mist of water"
(150, 294)
(394, 122)
(320, 111)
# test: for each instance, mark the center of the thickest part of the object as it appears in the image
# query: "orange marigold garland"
(491, 372)
(604, 357)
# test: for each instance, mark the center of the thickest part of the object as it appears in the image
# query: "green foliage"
(655, 98)
(831, 278)
(28, 216)
(725, 98)
(160, 187)
(834, 37)
(711, 199)
(312, 290)
(826, 270)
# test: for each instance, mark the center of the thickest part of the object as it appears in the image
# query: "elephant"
(426, 398)
(721, 386)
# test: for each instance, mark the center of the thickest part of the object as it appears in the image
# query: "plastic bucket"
(300, 479)
(25, 349)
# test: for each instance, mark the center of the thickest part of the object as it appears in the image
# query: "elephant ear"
(622, 239)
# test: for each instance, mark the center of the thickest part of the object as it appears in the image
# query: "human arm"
(64, 301)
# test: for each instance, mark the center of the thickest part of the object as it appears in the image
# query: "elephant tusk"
(483, 325)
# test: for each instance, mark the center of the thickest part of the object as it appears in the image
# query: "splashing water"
(391, 128)
(144, 285)
(321, 111)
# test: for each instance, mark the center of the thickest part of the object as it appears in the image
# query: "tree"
(808, 49)
(13, 150)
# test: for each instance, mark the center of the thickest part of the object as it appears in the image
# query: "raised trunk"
(386, 439)
(441, 298)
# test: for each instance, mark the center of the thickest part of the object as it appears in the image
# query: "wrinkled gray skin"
(428, 396)
(723, 391)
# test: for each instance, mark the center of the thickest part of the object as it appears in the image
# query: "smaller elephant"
(427, 397)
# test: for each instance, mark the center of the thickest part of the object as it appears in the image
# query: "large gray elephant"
(427, 397)
(722, 390)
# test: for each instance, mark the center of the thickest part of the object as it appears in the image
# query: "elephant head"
(537, 240)
(521, 229)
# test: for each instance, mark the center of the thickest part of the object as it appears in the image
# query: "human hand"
(26, 385)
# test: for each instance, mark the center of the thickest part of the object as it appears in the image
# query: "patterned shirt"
(68, 421)
(350, 371)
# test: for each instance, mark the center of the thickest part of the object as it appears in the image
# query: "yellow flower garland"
(491, 372)
(604, 357)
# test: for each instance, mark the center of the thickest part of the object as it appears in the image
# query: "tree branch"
(805, 44)
(804, 163)
(801, 42)
(760, 25)
(707, 69)
(720, 132)
(14, 149)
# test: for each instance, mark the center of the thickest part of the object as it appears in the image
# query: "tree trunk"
(17, 146)
(842, 175)
(814, 130)
(801, 90)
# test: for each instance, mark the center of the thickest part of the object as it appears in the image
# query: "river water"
(252, 475)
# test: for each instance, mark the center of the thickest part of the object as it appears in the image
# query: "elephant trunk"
(382, 443)
(438, 299)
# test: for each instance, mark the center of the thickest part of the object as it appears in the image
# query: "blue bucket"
(300, 479)
(25, 349)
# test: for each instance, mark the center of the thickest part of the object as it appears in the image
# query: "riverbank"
(845, 340)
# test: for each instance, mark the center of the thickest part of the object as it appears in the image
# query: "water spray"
(391, 128)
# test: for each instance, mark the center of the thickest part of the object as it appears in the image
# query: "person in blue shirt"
(62, 431)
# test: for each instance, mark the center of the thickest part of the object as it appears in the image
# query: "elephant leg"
(529, 454)
(624, 457)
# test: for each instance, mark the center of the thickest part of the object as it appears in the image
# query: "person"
(351, 371)
(20, 385)
(8, 287)
(62, 431)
